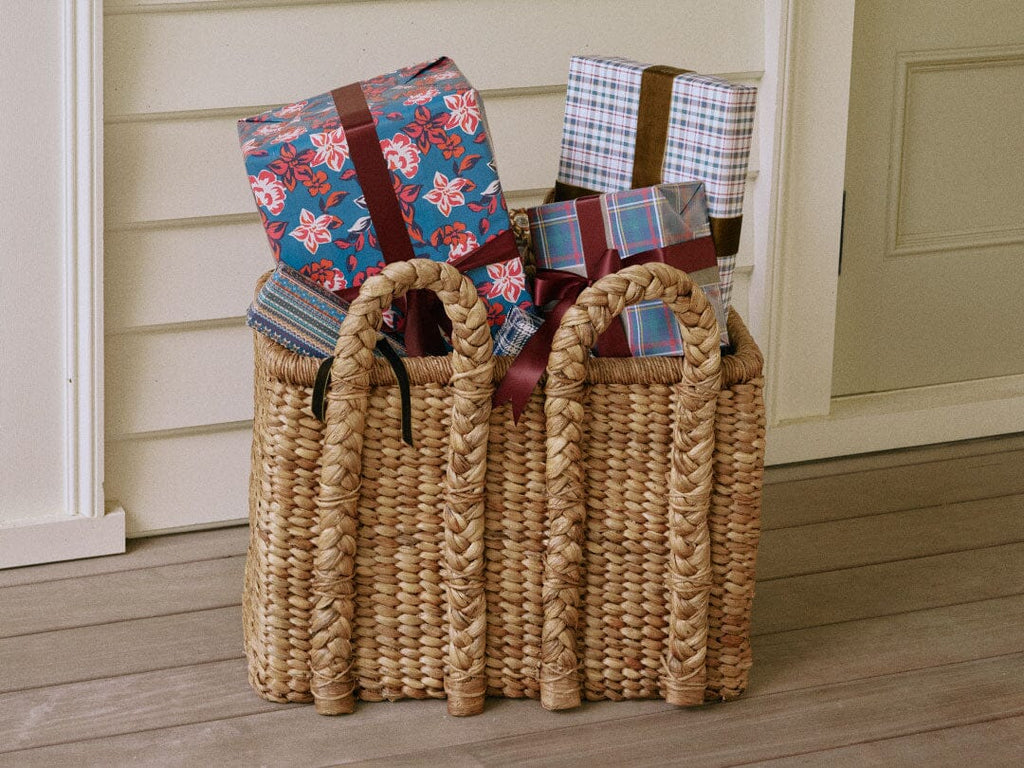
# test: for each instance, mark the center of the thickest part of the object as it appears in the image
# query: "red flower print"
(401, 155)
(509, 280)
(314, 230)
(292, 166)
(456, 237)
(324, 273)
(495, 314)
(423, 96)
(291, 110)
(317, 183)
(269, 191)
(426, 129)
(331, 148)
(452, 146)
(447, 193)
(288, 133)
(463, 111)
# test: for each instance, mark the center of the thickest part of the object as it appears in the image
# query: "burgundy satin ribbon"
(424, 312)
(565, 287)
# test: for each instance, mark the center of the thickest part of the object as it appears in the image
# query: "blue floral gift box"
(395, 167)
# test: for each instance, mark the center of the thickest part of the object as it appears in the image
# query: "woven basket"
(603, 548)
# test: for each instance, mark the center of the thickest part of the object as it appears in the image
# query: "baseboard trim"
(901, 419)
(61, 538)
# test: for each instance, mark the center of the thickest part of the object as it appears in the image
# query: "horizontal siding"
(174, 480)
(167, 62)
(153, 271)
(178, 377)
(183, 242)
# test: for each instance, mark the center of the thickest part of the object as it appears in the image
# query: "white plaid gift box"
(631, 125)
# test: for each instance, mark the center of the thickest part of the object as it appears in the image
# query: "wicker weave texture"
(406, 596)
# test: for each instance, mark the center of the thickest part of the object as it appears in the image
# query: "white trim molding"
(83, 255)
(83, 528)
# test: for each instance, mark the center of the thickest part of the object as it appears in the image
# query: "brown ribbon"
(425, 316)
(424, 313)
(565, 287)
(653, 112)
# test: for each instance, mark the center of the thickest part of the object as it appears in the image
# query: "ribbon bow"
(565, 287)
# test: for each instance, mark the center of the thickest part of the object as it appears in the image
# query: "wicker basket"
(560, 558)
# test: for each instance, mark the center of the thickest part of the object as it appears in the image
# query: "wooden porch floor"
(889, 630)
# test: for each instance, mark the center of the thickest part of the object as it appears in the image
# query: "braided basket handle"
(688, 571)
(331, 658)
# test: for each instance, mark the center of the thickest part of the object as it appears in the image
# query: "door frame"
(802, 266)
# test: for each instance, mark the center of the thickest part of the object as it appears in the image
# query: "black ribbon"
(323, 382)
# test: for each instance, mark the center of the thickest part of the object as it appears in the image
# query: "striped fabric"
(709, 136)
(517, 330)
(635, 220)
(299, 314)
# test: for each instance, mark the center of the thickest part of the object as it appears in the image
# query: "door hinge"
(842, 226)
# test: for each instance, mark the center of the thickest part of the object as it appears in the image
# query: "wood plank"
(177, 479)
(991, 743)
(888, 588)
(842, 494)
(918, 454)
(887, 537)
(121, 648)
(126, 595)
(141, 553)
(521, 733)
(98, 708)
(760, 728)
(162, 62)
(783, 662)
(860, 650)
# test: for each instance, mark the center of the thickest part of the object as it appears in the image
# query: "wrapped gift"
(300, 315)
(635, 125)
(579, 241)
(392, 168)
(590, 237)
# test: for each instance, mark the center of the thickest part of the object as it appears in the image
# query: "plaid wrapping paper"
(635, 220)
(517, 330)
(299, 314)
(709, 135)
(432, 135)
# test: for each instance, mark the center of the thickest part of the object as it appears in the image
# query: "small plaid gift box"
(635, 125)
(300, 315)
(667, 223)
(395, 167)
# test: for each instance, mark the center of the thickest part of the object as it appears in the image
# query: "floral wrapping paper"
(432, 134)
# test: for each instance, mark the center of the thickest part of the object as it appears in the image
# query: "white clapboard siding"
(256, 53)
(183, 244)
(177, 480)
(154, 270)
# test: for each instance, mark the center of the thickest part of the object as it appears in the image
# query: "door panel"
(932, 269)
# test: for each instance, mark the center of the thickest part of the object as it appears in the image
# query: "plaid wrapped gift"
(635, 125)
(300, 315)
(635, 222)
(395, 167)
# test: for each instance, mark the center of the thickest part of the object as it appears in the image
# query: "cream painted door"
(932, 272)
